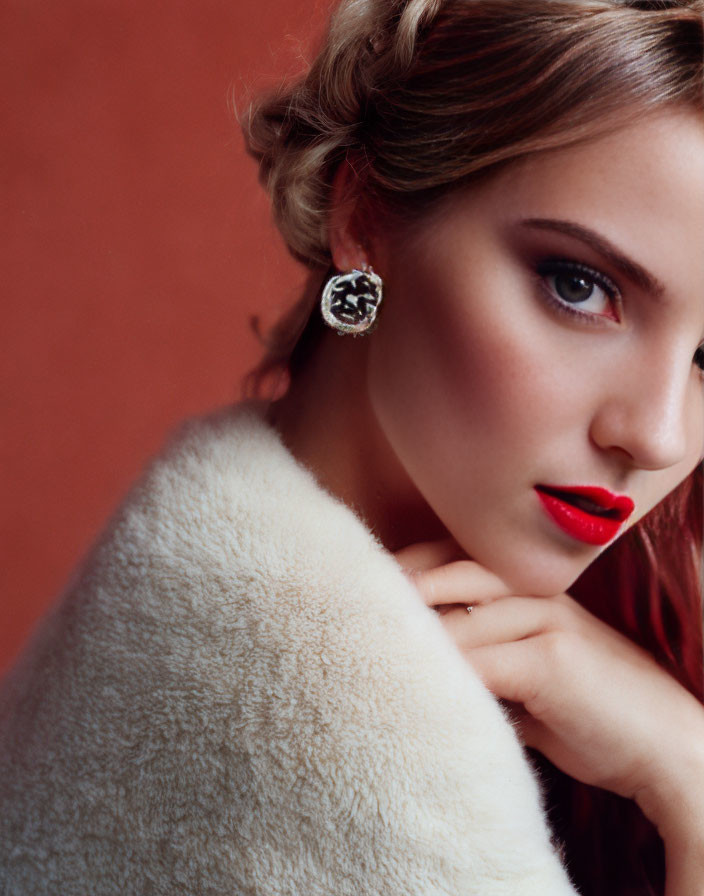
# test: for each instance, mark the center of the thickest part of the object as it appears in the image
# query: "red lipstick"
(588, 513)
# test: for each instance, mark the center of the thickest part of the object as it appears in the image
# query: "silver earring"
(350, 302)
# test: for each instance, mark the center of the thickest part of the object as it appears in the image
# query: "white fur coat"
(240, 694)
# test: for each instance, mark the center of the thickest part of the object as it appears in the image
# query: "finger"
(428, 554)
(462, 582)
(507, 619)
(514, 671)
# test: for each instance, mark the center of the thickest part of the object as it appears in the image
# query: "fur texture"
(240, 693)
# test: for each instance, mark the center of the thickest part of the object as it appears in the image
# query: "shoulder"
(241, 647)
(226, 502)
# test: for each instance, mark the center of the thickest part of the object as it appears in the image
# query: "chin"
(538, 574)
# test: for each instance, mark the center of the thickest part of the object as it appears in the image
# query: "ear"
(347, 243)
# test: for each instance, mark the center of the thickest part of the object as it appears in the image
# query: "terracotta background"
(135, 245)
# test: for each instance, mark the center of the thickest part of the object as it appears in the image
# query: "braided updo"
(426, 94)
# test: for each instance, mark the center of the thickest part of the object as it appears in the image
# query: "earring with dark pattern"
(350, 302)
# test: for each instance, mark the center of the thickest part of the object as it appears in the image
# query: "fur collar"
(241, 693)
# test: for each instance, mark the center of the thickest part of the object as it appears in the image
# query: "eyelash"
(552, 266)
(555, 266)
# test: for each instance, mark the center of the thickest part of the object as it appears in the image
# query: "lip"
(578, 522)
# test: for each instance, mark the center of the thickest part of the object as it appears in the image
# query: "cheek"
(457, 376)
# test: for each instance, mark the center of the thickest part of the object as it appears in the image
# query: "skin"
(475, 387)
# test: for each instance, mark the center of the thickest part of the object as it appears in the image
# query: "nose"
(644, 413)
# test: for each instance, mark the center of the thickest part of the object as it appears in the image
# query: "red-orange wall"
(135, 245)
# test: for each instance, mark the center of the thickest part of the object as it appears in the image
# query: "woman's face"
(543, 330)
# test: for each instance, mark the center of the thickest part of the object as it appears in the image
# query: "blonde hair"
(425, 94)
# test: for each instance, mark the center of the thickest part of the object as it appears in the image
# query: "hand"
(597, 705)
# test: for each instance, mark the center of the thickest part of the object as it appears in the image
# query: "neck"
(326, 420)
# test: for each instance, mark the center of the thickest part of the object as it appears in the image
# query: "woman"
(242, 691)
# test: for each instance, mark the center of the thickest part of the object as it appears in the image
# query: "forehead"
(641, 187)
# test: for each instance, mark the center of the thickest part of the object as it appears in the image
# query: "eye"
(579, 290)
(699, 358)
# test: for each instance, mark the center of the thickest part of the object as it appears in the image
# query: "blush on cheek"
(480, 363)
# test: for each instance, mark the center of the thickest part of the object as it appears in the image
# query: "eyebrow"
(629, 268)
